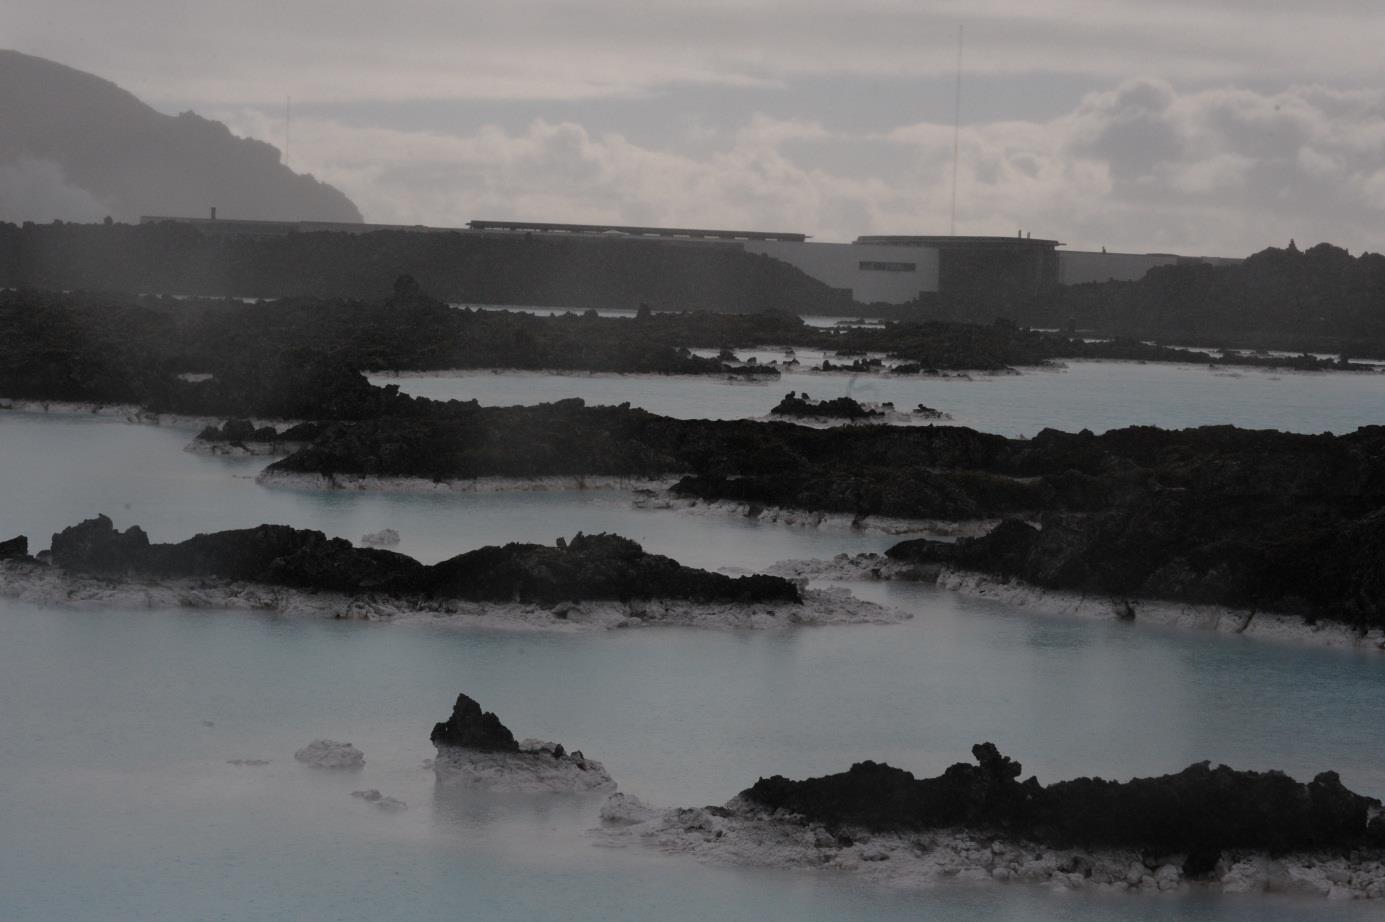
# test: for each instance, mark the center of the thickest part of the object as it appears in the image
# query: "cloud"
(1138, 167)
(259, 51)
(31, 187)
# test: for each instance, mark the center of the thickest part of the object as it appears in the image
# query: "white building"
(871, 272)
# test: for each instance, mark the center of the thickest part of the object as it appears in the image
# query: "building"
(240, 227)
(891, 269)
(1076, 267)
(1006, 266)
(871, 273)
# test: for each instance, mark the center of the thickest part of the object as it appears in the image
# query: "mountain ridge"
(77, 146)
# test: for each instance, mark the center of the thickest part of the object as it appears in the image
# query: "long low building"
(882, 269)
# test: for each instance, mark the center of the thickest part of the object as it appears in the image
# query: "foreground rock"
(331, 754)
(1215, 828)
(590, 581)
(476, 750)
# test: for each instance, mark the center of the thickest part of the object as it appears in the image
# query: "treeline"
(548, 270)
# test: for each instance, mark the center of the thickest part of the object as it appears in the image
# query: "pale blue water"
(1090, 395)
(116, 801)
(77, 466)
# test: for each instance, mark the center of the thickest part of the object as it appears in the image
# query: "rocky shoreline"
(587, 582)
(1203, 828)
(377, 484)
(41, 584)
(1218, 619)
(743, 834)
(1019, 595)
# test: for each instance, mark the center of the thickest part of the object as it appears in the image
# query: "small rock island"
(596, 581)
(476, 750)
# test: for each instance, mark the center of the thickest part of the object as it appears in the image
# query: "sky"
(1191, 127)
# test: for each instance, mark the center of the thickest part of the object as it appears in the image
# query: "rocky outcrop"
(476, 750)
(794, 405)
(1217, 828)
(1199, 811)
(16, 548)
(471, 728)
(242, 437)
(589, 567)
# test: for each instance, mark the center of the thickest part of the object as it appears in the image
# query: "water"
(1083, 395)
(118, 802)
(75, 467)
(129, 809)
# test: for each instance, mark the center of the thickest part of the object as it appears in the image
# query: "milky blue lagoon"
(1080, 395)
(117, 800)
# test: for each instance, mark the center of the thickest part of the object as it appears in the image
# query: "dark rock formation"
(471, 728)
(1198, 811)
(795, 405)
(16, 548)
(243, 431)
(595, 567)
(592, 567)
(95, 547)
(301, 358)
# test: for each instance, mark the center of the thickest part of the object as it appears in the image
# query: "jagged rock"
(1198, 812)
(471, 728)
(15, 548)
(330, 754)
(94, 546)
(476, 750)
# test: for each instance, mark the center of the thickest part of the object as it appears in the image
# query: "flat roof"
(691, 232)
(353, 227)
(944, 241)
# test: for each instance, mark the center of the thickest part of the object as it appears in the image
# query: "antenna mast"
(956, 132)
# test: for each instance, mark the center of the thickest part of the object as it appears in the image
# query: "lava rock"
(471, 728)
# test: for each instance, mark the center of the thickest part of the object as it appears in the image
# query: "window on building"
(870, 265)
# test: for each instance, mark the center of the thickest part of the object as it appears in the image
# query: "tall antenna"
(956, 132)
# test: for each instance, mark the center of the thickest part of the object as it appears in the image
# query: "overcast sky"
(1195, 127)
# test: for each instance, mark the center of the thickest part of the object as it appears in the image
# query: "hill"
(77, 147)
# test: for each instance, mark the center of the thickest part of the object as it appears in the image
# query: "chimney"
(213, 212)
